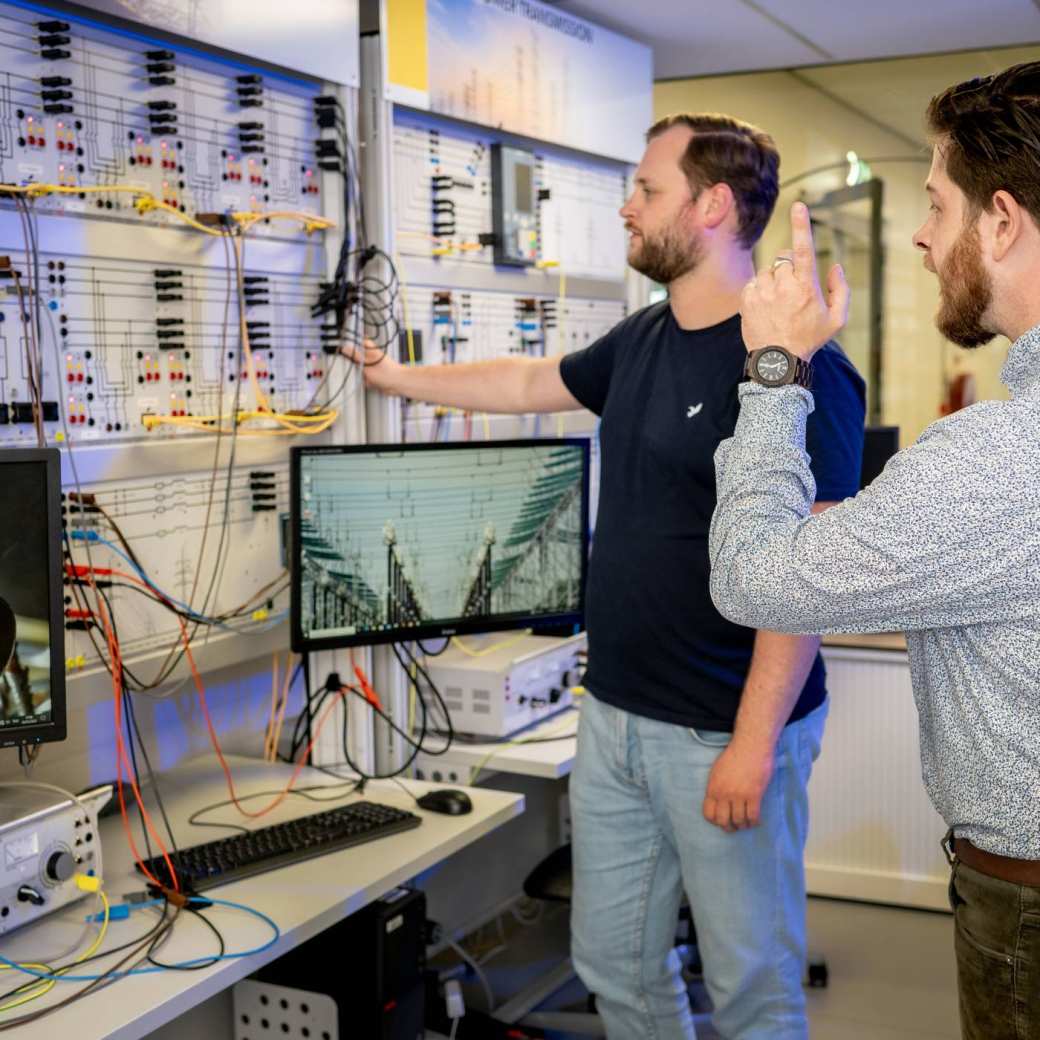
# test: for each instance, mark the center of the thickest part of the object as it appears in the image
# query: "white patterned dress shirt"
(944, 546)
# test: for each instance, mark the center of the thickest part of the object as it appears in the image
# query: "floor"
(891, 971)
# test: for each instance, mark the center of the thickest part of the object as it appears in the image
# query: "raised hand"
(783, 305)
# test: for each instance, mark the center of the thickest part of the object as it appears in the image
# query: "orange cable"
(274, 706)
(277, 734)
(200, 689)
(122, 759)
(367, 691)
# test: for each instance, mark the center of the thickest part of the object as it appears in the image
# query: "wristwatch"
(776, 366)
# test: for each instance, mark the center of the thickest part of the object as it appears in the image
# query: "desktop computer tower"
(371, 965)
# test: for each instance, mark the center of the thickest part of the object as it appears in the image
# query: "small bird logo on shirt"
(694, 409)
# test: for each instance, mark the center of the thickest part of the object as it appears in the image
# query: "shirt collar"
(1021, 371)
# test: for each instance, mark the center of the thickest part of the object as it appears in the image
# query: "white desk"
(551, 760)
(303, 899)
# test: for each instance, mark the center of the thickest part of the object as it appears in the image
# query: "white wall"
(814, 127)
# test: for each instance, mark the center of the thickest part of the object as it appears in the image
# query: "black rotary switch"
(61, 866)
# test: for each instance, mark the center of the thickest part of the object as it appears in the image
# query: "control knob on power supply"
(61, 866)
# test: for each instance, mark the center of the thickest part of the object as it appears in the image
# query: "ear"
(1007, 223)
(716, 204)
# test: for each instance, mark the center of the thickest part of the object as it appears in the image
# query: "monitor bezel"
(302, 644)
(56, 729)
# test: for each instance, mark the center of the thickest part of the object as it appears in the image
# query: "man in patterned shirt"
(944, 545)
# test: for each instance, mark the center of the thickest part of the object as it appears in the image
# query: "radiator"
(873, 833)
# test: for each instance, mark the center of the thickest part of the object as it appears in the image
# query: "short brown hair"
(988, 132)
(729, 151)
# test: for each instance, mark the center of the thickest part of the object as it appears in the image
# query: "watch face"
(772, 366)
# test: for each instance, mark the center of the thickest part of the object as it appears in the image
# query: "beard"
(667, 256)
(965, 293)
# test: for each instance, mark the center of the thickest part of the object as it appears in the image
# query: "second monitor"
(412, 541)
(32, 639)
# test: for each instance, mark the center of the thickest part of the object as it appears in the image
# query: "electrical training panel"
(460, 301)
(451, 326)
(442, 202)
(146, 331)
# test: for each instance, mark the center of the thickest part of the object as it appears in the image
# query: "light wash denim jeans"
(640, 838)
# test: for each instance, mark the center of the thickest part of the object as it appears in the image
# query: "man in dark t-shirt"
(657, 645)
(697, 736)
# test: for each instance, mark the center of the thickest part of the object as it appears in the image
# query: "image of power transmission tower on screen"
(396, 540)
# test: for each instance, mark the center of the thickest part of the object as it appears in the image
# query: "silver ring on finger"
(782, 260)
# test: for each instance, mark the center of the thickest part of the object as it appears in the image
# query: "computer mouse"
(448, 800)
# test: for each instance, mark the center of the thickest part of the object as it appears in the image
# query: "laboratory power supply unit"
(509, 683)
(47, 843)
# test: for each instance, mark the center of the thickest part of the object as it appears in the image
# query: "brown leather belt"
(1004, 868)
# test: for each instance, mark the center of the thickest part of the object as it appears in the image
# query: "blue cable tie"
(119, 912)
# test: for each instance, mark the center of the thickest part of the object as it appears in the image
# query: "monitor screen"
(411, 541)
(880, 443)
(32, 638)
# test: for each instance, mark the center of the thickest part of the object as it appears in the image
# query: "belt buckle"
(948, 848)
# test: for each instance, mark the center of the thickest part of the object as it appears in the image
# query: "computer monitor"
(397, 542)
(32, 635)
(880, 443)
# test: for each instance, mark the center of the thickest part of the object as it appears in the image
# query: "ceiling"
(707, 37)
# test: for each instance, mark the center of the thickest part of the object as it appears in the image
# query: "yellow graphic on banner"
(406, 44)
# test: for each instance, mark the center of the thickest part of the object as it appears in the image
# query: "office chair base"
(584, 1024)
(536, 993)
(579, 1022)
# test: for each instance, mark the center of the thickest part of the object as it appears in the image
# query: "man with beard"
(944, 545)
(697, 736)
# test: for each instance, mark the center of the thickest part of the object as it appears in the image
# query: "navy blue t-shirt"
(667, 397)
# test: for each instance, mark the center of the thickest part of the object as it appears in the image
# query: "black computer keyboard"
(282, 844)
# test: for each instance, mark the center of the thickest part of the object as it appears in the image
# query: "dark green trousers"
(997, 938)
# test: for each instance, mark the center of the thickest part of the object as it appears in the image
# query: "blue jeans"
(640, 839)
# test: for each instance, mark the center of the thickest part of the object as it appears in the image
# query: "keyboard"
(280, 845)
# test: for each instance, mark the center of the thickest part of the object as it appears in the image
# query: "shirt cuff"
(774, 413)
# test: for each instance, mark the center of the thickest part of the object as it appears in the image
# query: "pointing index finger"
(802, 241)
